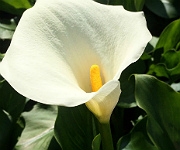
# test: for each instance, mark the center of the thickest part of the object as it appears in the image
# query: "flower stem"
(106, 136)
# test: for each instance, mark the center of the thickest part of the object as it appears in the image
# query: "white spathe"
(55, 44)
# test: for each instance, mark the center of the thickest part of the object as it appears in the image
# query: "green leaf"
(39, 129)
(96, 144)
(170, 36)
(176, 86)
(139, 4)
(137, 139)
(164, 8)
(158, 70)
(5, 131)
(171, 59)
(11, 101)
(5, 34)
(7, 30)
(162, 105)
(131, 5)
(9, 26)
(169, 66)
(152, 43)
(178, 46)
(74, 129)
(12, 105)
(14, 7)
(127, 99)
(103, 1)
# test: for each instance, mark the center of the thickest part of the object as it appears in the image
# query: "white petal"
(102, 104)
(135, 40)
(56, 42)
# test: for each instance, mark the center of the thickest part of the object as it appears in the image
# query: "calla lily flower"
(56, 43)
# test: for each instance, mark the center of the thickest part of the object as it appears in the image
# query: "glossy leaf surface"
(164, 8)
(162, 104)
(11, 101)
(137, 139)
(170, 36)
(74, 129)
(39, 128)
(131, 5)
(14, 7)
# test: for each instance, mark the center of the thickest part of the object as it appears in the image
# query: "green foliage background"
(147, 114)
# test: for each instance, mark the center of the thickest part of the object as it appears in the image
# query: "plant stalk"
(106, 136)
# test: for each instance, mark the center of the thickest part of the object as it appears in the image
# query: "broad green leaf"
(39, 128)
(170, 37)
(131, 5)
(176, 86)
(6, 34)
(127, 99)
(139, 4)
(158, 70)
(178, 46)
(74, 129)
(96, 143)
(11, 25)
(168, 66)
(164, 8)
(137, 139)
(16, 7)
(5, 131)
(7, 30)
(171, 58)
(17, 129)
(115, 2)
(11, 106)
(103, 1)
(149, 48)
(162, 105)
(11, 101)
(154, 41)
